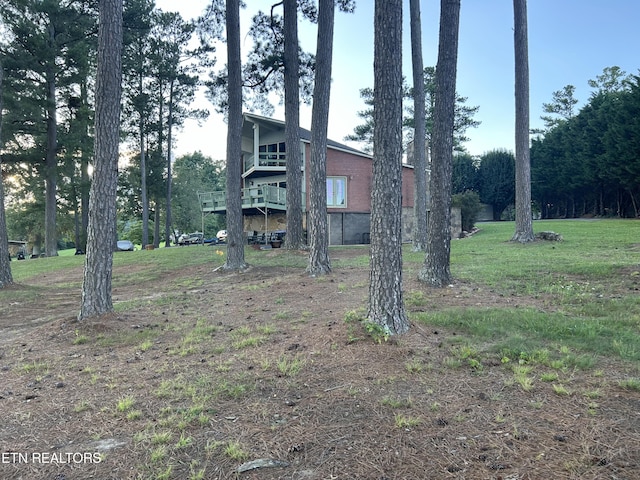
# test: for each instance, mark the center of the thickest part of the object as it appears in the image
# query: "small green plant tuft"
(184, 441)
(80, 339)
(161, 438)
(290, 367)
(83, 406)
(397, 402)
(235, 451)
(549, 377)
(158, 454)
(378, 333)
(416, 298)
(630, 384)
(134, 415)
(165, 474)
(125, 404)
(403, 421)
(414, 366)
(561, 390)
(36, 367)
(354, 316)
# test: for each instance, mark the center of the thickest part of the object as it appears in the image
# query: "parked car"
(190, 238)
(222, 235)
(125, 246)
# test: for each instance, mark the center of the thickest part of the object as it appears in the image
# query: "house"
(349, 182)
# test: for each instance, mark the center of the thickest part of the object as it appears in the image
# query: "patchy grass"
(523, 367)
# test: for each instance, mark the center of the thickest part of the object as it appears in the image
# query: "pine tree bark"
(168, 219)
(319, 261)
(51, 160)
(96, 286)
(85, 179)
(235, 238)
(436, 269)
(524, 222)
(386, 305)
(419, 137)
(6, 277)
(295, 237)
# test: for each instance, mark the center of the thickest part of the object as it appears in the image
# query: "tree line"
(588, 162)
(49, 58)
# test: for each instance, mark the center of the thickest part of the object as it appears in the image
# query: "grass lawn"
(527, 366)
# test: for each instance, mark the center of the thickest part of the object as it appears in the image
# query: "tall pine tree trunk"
(5, 265)
(419, 142)
(386, 305)
(51, 160)
(295, 236)
(85, 180)
(319, 262)
(96, 287)
(235, 229)
(156, 222)
(168, 220)
(436, 269)
(524, 222)
(144, 198)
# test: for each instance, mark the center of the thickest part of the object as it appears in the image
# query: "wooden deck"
(264, 197)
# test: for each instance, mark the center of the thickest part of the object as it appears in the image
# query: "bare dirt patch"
(221, 369)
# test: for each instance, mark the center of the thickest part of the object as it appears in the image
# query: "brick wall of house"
(359, 173)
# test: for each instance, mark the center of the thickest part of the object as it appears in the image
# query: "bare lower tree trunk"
(5, 265)
(295, 237)
(144, 198)
(386, 305)
(319, 262)
(85, 180)
(51, 165)
(235, 237)
(436, 269)
(6, 277)
(96, 287)
(524, 222)
(168, 220)
(156, 222)
(419, 142)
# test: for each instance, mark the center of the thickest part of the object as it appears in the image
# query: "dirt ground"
(222, 369)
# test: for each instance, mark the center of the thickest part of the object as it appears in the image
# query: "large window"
(273, 154)
(337, 192)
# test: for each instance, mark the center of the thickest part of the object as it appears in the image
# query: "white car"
(222, 235)
(125, 246)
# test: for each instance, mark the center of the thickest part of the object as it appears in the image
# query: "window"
(272, 154)
(337, 192)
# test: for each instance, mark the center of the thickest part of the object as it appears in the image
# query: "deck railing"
(264, 196)
(266, 161)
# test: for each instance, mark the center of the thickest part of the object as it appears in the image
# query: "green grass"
(590, 249)
(631, 384)
(582, 290)
(403, 421)
(584, 287)
(528, 329)
(577, 300)
(125, 404)
(290, 367)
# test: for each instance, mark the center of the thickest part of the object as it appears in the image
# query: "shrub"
(469, 204)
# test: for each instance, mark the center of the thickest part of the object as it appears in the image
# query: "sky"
(570, 42)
